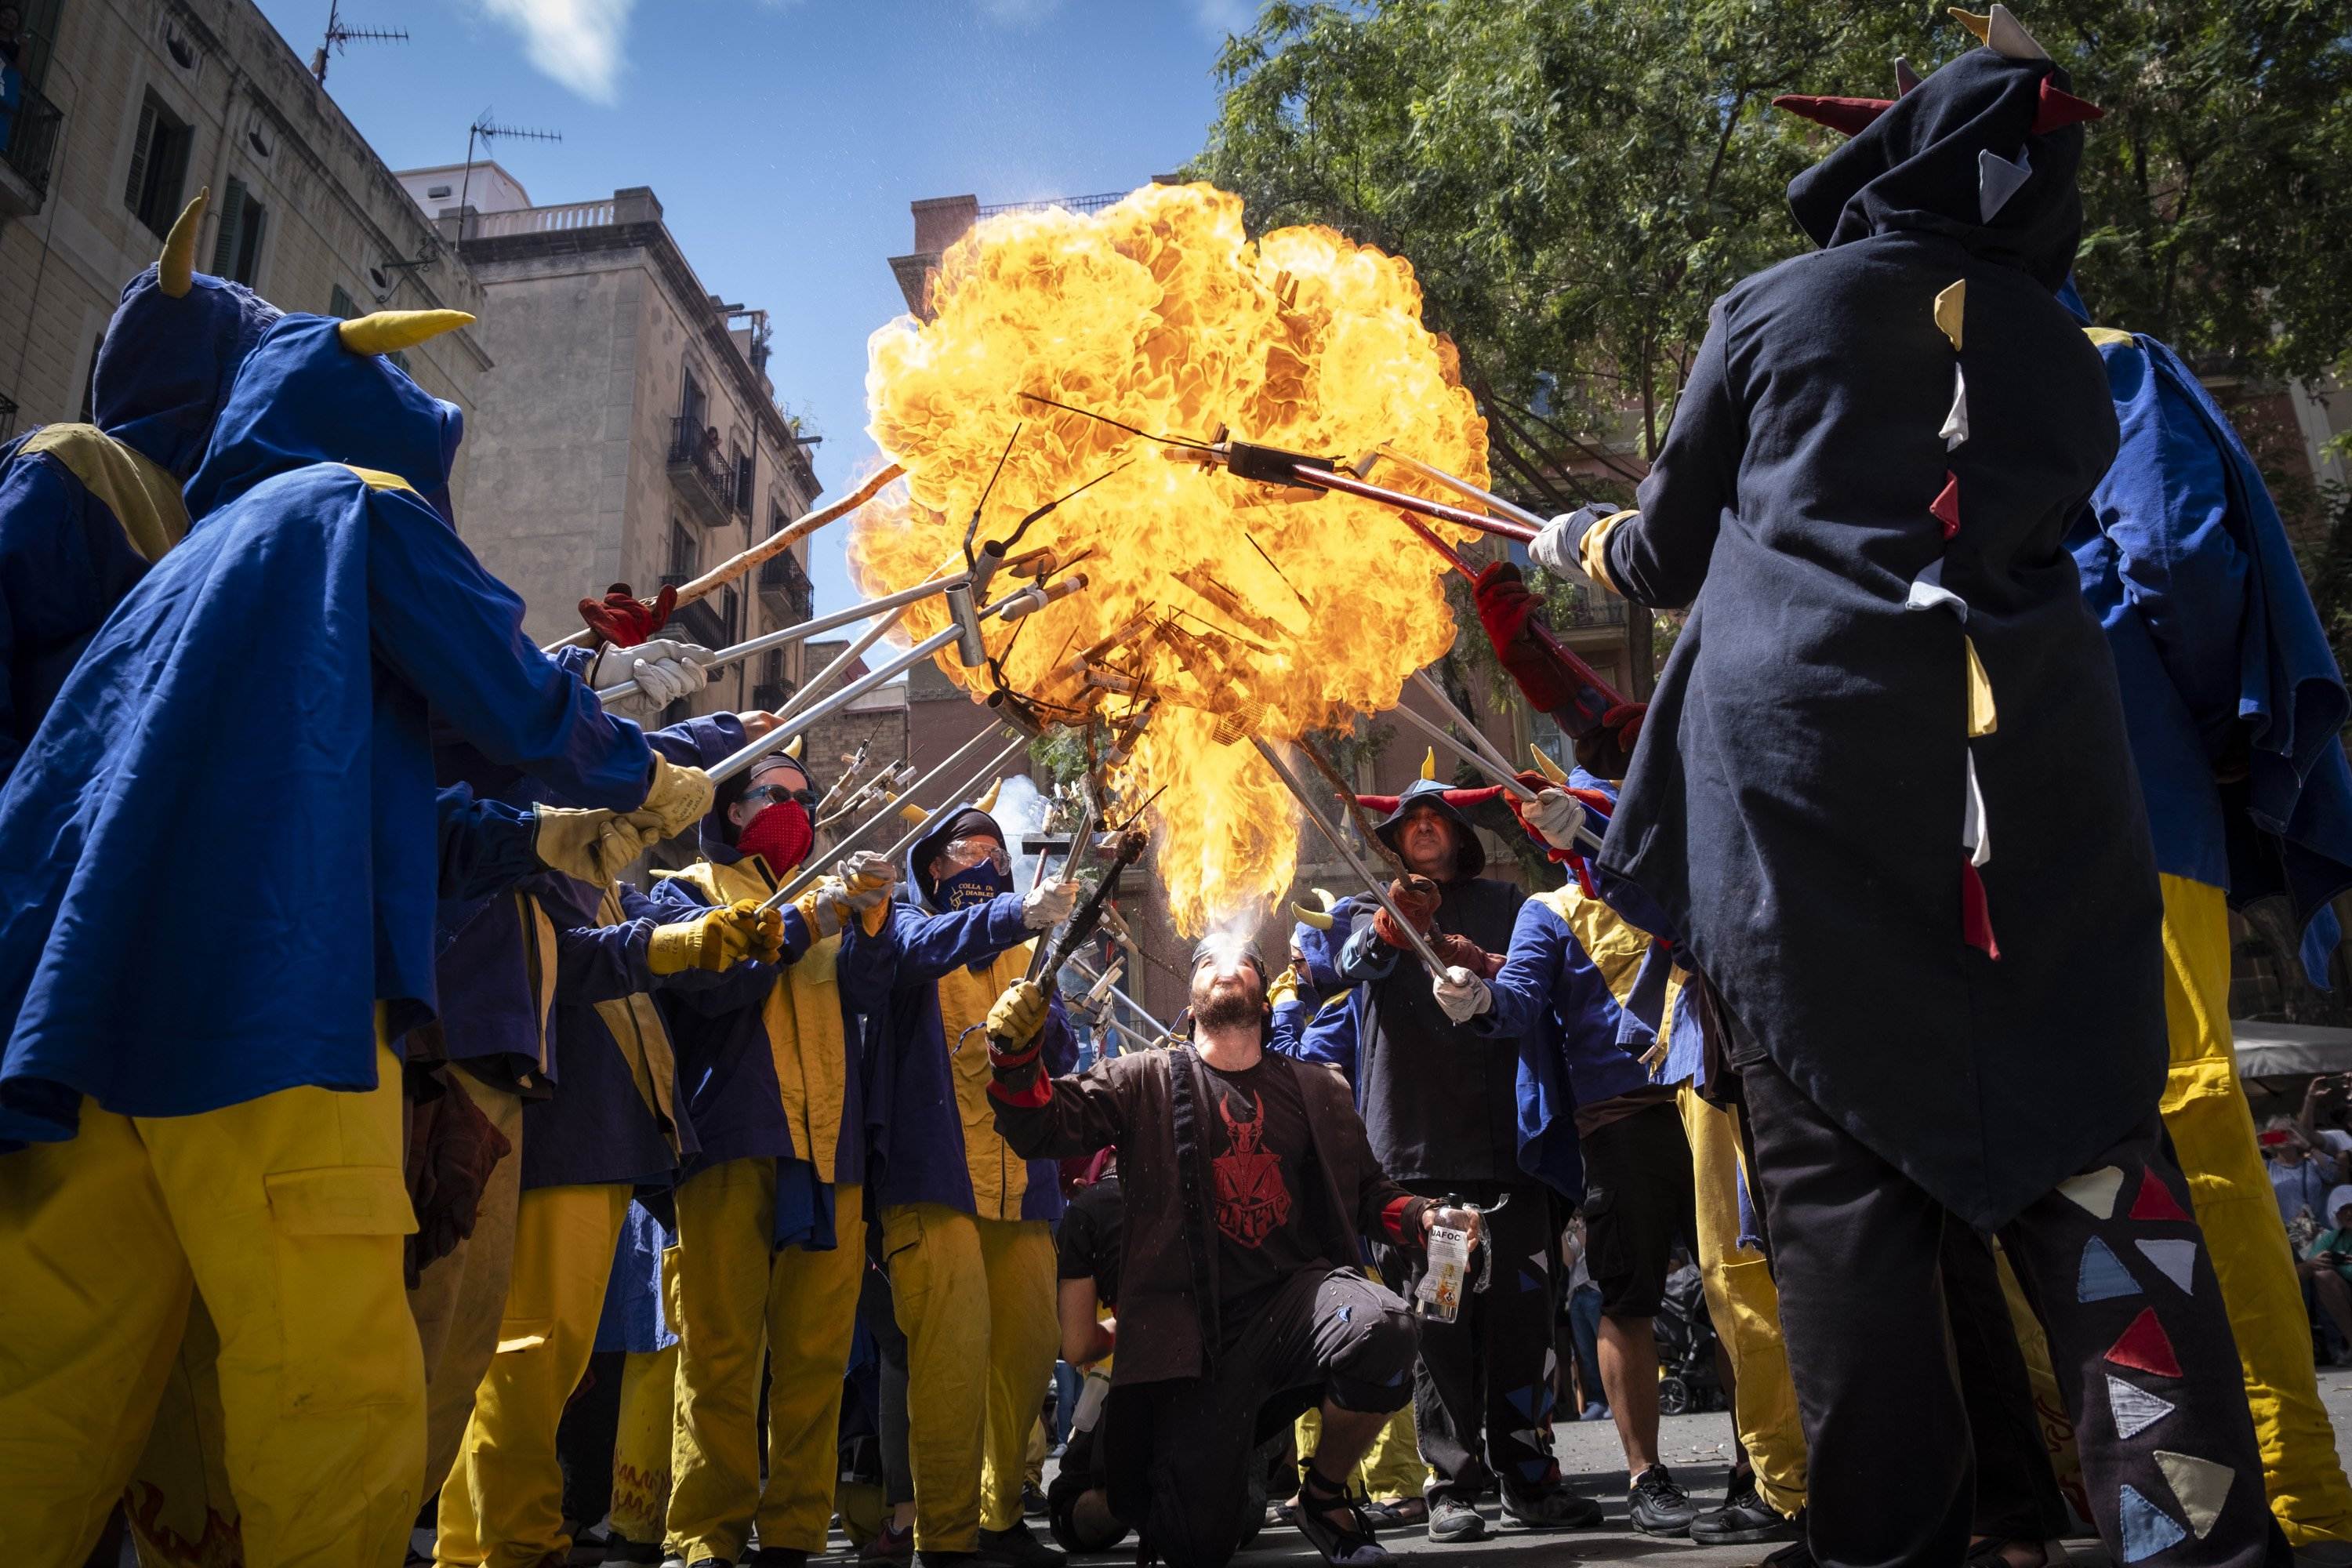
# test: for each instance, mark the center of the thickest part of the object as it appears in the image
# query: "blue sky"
(786, 137)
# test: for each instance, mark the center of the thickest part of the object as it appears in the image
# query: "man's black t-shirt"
(1261, 1160)
(1086, 1241)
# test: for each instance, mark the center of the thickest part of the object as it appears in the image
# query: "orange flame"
(1244, 607)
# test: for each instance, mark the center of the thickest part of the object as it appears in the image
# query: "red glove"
(625, 620)
(1461, 952)
(1609, 750)
(1417, 896)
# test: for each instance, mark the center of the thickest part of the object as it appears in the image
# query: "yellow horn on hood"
(1318, 917)
(911, 813)
(1546, 766)
(175, 269)
(384, 331)
(988, 801)
(1428, 763)
(793, 747)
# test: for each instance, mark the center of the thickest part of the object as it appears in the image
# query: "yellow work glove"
(823, 905)
(594, 845)
(868, 879)
(1284, 989)
(1017, 1016)
(677, 796)
(717, 939)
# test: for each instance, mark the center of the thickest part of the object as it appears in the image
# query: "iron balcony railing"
(31, 139)
(1605, 610)
(701, 470)
(787, 589)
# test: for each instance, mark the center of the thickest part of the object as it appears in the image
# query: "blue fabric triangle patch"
(1523, 1400)
(2103, 1276)
(1529, 1283)
(2147, 1528)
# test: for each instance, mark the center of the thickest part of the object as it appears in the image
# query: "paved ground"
(1698, 1449)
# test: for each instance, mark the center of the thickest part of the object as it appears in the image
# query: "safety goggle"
(963, 854)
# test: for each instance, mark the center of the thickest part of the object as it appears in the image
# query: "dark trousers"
(1481, 1395)
(2150, 1367)
(2016, 1495)
(1334, 1336)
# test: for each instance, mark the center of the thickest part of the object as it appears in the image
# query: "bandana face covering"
(780, 834)
(972, 885)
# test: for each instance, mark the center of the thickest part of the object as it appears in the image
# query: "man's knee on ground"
(1372, 1374)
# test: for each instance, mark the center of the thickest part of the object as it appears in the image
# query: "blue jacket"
(253, 716)
(936, 1129)
(65, 556)
(2221, 656)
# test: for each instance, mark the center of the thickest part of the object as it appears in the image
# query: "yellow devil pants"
(503, 1503)
(641, 1446)
(1392, 1469)
(460, 1298)
(975, 1299)
(737, 1294)
(1744, 1308)
(286, 1215)
(2213, 1134)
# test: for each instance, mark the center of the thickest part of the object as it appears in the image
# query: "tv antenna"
(337, 34)
(487, 129)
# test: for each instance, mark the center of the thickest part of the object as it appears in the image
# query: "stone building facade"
(632, 435)
(132, 106)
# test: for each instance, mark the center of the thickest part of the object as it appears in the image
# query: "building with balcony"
(129, 107)
(631, 434)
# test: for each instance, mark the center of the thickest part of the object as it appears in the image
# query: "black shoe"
(1797, 1553)
(1658, 1507)
(1397, 1515)
(1335, 1524)
(1553, 1507)
(620, 1549)
(1451, 1519)
(1017, 1548)
(1744, 1519)
(710, 1563)
(1032, 1503)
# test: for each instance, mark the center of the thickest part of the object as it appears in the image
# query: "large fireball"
(1247, 608)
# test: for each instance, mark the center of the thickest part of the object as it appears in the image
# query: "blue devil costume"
(1884, 793)
(214, 1090)
(85, 509)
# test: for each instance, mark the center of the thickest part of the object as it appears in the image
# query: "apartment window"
(237, 249)
(681, 551)
(159, 166)
(694, 406)
(742, 480)
(340, 304)
(89, 382)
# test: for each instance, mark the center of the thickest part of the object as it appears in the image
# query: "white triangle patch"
(1998, 180)
(1955, 423)
(2008, 36)
(2135, 1409)
(1927, 595)
(2201, 1485)
(2094, 1192)
(1976, 837)
(2177, 1259)
(1541, 1259)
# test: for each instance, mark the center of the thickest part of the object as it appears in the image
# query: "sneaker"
(1401, 1514)
(1032, 1503)
(890, 1544)
(1744, 1519)
(1017, 1548)
(1550, 1507)
(1451, 1519)
(1596, 1411)
(1658, 1507)
(1335, 1523)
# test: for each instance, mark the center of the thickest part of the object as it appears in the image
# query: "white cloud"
(1222, 16)
(577, 42)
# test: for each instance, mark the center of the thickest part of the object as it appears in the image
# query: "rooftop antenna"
(487, 129)
(337, 34)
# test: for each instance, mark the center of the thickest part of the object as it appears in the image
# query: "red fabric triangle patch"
(1849, 115)
(2155, 1200)
(2059, 109)
(2146, 1347)
(1947, 504)
(1976, 911)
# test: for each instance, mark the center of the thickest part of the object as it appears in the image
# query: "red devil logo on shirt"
(1252, 1202)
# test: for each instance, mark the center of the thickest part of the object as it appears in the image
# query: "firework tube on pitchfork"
(1088, 914)
(1079, 843)
(775, 544)
(810, 872)
(1379, 889)
(1109, 982)
(1477, 750)
(1455, 483)
(608, 695)
(1010, 608)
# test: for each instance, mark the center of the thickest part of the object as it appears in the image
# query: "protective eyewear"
(777, 795)
(963, 854)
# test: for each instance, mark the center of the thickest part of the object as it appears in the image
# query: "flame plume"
(1241, 607)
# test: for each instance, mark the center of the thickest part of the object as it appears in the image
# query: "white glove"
(1462, 995)
(1558, 815)
(665, 670)
(867, 879)
(1556, 548)
(1049, 905)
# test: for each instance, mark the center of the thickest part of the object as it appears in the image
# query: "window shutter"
(249, 245)
(139, 145)
(231, 220)
(171, 175)
(340, 303)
